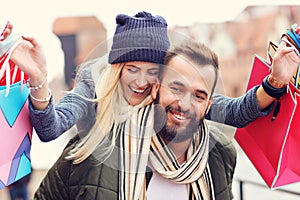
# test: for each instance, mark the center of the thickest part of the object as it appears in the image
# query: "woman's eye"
(133, 70)
(153, 72)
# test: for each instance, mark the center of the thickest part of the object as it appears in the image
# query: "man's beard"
(174, 132)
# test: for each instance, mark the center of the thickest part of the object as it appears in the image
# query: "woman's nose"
(142, 80)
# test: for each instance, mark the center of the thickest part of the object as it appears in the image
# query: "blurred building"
(237, 41)
(79, 38)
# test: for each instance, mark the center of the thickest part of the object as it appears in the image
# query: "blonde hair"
(110, 102)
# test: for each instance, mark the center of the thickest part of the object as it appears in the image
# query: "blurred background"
(73, 32)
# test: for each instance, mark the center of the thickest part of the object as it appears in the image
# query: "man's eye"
(199, 97)
(175, 90)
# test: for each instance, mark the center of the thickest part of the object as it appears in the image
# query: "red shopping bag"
(16, 128)
(14, 71)
(273, 147)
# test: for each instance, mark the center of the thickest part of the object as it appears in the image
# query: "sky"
(36, 17)
(32, 15)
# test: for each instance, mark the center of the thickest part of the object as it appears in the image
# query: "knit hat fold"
(143, 37)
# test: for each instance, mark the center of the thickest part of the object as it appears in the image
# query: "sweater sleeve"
(237, 112)
(58, 118)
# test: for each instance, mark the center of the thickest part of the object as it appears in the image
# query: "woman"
(135, 65)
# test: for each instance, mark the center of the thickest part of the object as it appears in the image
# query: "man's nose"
(184, 102)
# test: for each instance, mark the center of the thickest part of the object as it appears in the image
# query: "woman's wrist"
(275, 83)
(39, 91)
(36, 85)
(271, 90)
(43, 99)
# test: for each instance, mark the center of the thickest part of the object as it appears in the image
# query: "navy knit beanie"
(143, 37)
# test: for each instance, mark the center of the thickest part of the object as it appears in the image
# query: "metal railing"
(242, 182)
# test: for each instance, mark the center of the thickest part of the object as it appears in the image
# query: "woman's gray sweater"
(73, 109)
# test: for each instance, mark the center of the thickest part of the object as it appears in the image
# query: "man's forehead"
(183, 70)
(182, 67)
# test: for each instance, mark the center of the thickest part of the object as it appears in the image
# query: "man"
(190, 160)
(185, 95)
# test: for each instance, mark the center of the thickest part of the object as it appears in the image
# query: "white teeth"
(179, 117)
(137, 91)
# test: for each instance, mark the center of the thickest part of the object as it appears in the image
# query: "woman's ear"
(154, 90)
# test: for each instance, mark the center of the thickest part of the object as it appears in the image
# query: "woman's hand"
(7, 30)
(30, 58)
(285, 62)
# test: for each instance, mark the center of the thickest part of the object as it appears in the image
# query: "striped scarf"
(139, 144)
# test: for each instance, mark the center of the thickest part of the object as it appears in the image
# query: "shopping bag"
(15, 134)
(15, 71)
(16, 128)
(273, 147)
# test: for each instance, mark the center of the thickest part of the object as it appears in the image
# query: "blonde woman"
(139, 46)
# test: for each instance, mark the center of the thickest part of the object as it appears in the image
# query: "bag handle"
(5, 68)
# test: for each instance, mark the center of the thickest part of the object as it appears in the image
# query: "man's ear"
(209, 104)
(154, 90)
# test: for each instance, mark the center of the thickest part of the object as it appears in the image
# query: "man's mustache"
(160, 116)
(186, 113)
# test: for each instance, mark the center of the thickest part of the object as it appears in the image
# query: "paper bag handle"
(6, 68)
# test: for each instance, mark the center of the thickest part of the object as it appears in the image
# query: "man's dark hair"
(197, 53)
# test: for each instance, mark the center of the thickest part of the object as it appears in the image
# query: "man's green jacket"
(90, 180)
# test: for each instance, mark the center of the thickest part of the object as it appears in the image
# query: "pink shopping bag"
(273, 147)
(15, 134)
(16, 129)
